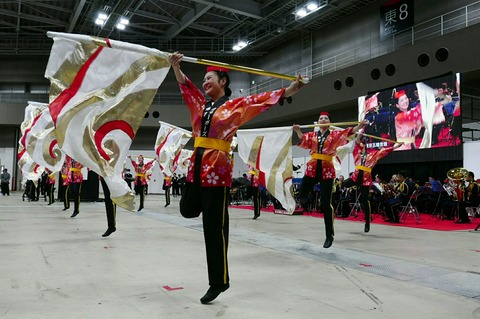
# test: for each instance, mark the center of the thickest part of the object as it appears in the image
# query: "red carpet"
(427, 222)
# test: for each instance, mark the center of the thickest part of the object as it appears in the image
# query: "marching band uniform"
(209, 177)
(141, 171)
(323, 147)
(75, 179)
(404, 189)
(470, 197)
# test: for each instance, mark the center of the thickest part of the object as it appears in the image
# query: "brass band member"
(323, 146)
(402, 191)
(470, 197)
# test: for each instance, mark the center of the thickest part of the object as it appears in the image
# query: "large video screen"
(424, 115)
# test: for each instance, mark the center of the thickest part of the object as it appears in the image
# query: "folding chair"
(410, 208)
(473, 212)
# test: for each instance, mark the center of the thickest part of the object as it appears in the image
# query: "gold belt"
(75, 169)
(364, 168)
(141, 175)
(322, 157)
(64, 176)
(214, 143)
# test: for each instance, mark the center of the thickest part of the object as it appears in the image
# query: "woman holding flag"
(209, 177)
(320, 169)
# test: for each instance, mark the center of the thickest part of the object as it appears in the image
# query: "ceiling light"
(122, 22)
(101, 18)
(309, 8)
(120, 26)
(239, 45)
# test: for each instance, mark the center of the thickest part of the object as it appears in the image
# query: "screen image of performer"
(110, 208)
(209, 177)
(75, 179)
(365, 160)
(409, 121)
(141, 170)
(320, 169)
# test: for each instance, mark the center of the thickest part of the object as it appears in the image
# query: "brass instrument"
(455, 187)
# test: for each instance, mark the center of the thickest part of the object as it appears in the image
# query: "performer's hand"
(175, 59)
(294, 87)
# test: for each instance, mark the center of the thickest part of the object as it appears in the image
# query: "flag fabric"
(41, 140)
(431, 114)
(269, 151)
(168, 146)
(30, 169)
(342, 151)
(180, 166)
(100, 91)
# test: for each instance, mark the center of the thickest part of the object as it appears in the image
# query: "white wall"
(471, 151)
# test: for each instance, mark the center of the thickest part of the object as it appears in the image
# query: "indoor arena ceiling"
(197, 28)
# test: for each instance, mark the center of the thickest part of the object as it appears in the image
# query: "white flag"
(168, 146)
(269, 150)
(30, 169)
(41, 140)
(100, 91)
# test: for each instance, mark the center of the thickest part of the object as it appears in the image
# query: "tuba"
(456, 177)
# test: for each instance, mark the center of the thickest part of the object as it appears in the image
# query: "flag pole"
(329, 124)
(243, 69)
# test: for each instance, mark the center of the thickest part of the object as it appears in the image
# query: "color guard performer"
(50, 186)
(320, 169)
(214, 124)
(141, 169)
(365, 160)
(75, 179)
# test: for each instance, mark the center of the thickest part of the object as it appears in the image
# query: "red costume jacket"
(334, 139)
(217, 166)
(142, 171)
(368, 162)
(75, 174)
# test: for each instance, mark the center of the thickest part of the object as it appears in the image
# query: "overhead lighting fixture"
(239, 45)
(101, 18)
(309, 8)
(122, 23)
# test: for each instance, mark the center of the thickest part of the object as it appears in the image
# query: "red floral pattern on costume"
(372, 158)
(335, 139)
(217, 165)
(75, 176)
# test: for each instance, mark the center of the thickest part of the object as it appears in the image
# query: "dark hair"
(222, 74)
(471, 174)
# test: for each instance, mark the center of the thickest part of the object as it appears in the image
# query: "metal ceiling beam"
(246, 8)
(44, 5)
(33, 18)
(187, 20)
(77, 12)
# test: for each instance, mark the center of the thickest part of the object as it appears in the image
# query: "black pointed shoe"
(328, 242)
(367, 228)
(109, 231)
(75, 213)
(212, 293)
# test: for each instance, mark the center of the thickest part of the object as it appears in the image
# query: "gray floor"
(53, 266)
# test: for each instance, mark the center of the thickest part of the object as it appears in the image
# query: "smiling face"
(213, 86)
(403, 103)
(323, 119)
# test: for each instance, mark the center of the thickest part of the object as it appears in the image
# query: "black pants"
(364, 196)
(66, 199)
(76, 189)
(212, 202)
(140, 189)
(326, 187)
(167, 195)
(5, 189)
(50, 188)
(256, 201)
(110, 207)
